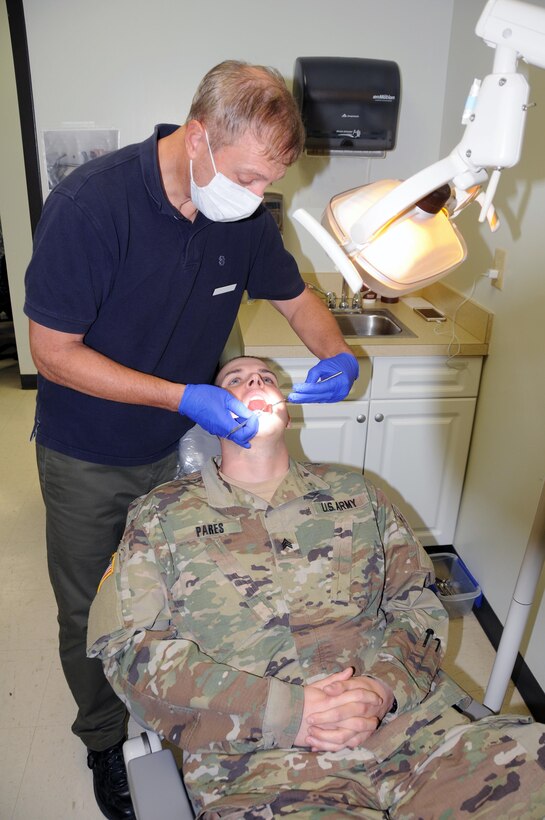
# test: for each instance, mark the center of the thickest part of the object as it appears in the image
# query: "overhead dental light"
(397, 236)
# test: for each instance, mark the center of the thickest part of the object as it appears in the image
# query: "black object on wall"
(349, 105)
(21, 62)
(23, 82)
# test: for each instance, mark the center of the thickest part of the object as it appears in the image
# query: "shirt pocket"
(318, 576)
(349, 557)
(219, 607)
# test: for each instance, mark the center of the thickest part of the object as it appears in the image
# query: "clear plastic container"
(455, 587)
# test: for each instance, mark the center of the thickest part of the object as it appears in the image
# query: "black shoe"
(110, 783)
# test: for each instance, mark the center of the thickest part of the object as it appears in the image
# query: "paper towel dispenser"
(349, 105)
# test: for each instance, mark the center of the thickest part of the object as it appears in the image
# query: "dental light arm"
(494, 117)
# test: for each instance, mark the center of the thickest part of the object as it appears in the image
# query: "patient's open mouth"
(259, 404)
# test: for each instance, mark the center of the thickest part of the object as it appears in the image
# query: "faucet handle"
(356, 301)
(331, 300)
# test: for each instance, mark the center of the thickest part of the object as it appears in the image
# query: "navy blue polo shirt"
(115, 261)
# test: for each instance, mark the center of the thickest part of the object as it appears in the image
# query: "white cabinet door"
(417, 451)
(331, 433)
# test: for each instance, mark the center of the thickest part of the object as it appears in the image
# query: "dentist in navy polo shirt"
(140, 261)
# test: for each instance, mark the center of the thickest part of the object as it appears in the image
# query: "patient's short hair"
(235, 97)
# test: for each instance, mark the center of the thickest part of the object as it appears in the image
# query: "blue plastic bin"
(467, 592)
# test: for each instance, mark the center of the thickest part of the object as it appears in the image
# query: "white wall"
(132, 63)
(507, 462)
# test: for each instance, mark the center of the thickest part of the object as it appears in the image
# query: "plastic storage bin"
(455, 587)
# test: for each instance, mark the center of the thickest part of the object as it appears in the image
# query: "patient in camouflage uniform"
(275, 621)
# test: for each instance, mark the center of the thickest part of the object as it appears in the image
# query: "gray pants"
(86, 507)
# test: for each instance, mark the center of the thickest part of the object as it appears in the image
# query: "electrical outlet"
(499, 264)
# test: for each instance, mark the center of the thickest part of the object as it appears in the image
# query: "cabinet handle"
(379, 417)
(361, 418)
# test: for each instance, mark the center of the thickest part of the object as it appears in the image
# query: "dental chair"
(155, 782)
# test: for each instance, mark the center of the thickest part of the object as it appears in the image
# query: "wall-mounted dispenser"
(349, 105)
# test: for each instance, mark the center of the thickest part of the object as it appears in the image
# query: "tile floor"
(44, 772)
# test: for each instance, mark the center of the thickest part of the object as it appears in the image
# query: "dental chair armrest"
(156, 785)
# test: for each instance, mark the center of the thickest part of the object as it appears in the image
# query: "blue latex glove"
(213, 408)
(336, 389)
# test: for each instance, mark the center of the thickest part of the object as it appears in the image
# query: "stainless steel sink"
(371, 323)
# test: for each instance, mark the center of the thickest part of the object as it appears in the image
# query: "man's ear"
(195, 139)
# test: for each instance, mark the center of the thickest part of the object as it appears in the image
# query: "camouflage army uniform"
(219, 607)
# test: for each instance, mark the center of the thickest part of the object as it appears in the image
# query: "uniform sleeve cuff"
(400, 684)
(283, 714)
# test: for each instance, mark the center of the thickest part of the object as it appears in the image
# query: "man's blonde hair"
(235, 98)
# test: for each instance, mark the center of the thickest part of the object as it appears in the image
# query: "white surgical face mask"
(222, 200)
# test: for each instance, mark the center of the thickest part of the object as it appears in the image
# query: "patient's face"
(253, 383)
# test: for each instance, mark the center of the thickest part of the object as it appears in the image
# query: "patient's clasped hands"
(342, 711)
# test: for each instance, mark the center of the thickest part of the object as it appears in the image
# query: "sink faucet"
(356, 302)
(344, 304)
(329, 296)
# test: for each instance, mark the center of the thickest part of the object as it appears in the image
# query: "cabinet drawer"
(423, 376)
(294, 371)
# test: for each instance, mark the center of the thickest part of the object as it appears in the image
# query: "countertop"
(266, 333)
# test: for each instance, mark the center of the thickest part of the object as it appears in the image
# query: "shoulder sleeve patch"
(109, 571)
